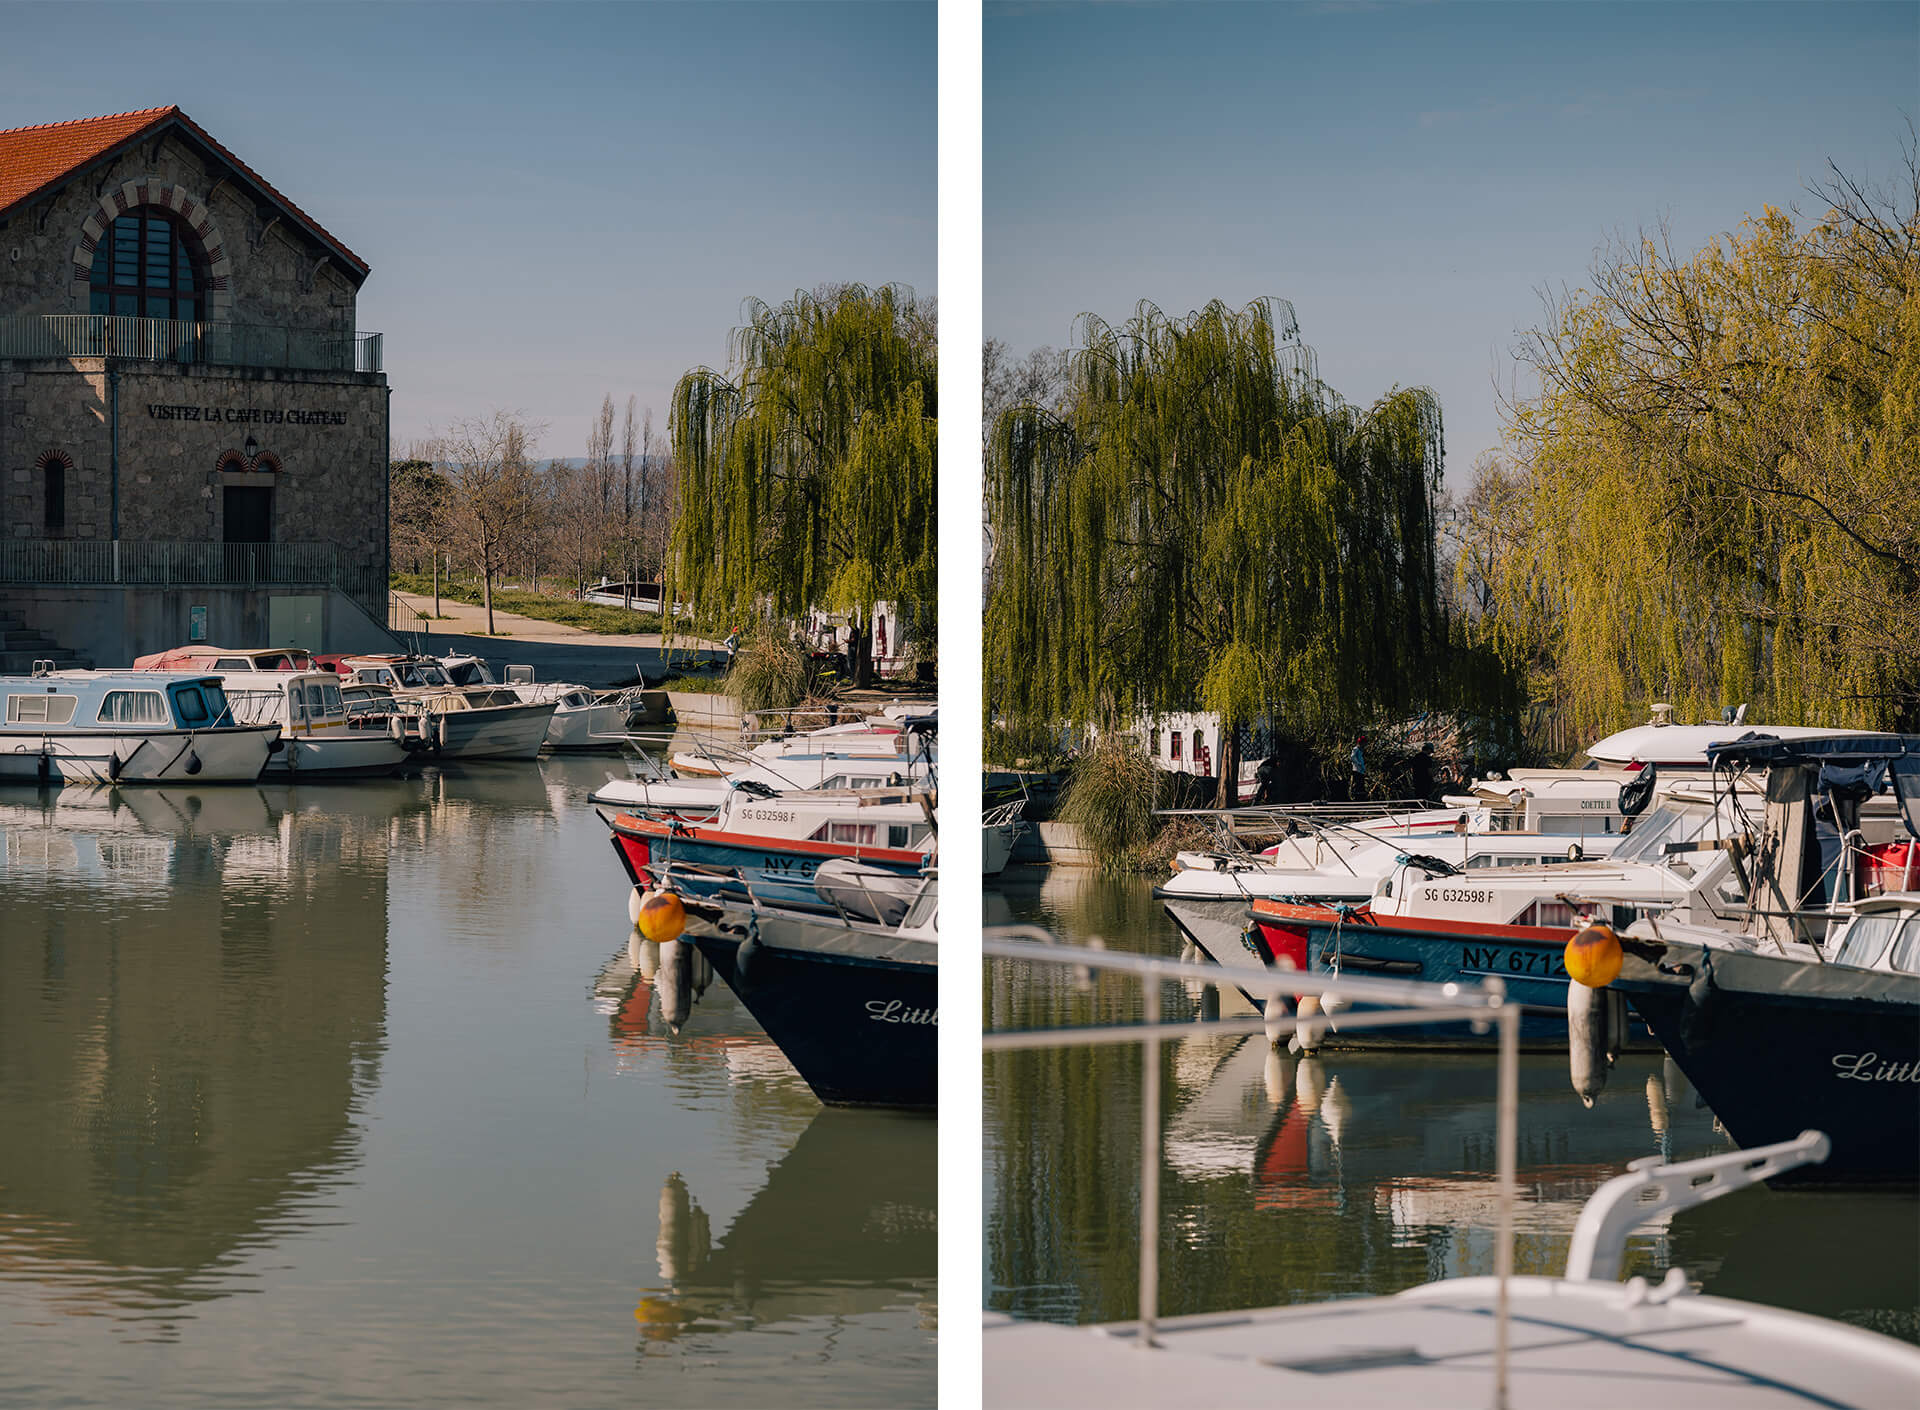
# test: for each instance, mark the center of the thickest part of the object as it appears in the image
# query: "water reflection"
(1291, 1180)
(844, 1226)
(192, 1011)
(384, 1055)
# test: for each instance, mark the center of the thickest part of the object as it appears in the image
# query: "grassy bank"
(588, 616)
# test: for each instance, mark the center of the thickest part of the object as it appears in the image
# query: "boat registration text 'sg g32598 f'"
(126, 727)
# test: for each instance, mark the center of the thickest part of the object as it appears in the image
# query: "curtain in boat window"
(133, 707)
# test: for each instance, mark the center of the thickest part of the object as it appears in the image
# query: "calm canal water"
(353, 1095)
(1350, 1173)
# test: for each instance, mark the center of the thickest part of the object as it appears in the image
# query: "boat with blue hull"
(1527, 959)
(854, 1006)
(777, 845)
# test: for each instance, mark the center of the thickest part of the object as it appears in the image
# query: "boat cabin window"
(330, 705)
(133, 707)
(577, 700)
(1866, 940)
(1906, 953)
(423, 676)
(857, 833)
(40, 709)
(232, 663)
(200, 706)
(468, 673)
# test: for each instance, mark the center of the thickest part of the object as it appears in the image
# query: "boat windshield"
(1653, 831)
(423, 675)
(468, 673)
(1866, 940)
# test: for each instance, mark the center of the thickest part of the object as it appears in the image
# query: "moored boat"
(320, 738)
(778, 844)
(126, 727)
(853, 1005)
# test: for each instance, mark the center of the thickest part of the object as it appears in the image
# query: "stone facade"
(172, 436)
(275, 274)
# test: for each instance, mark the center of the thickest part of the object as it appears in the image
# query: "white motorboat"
(484, 722)
(704, 795)
(1000, 830)
(583, 718)
(856, 740)
(126, 727)
(320, 737)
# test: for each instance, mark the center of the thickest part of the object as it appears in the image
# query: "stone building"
(193, 433)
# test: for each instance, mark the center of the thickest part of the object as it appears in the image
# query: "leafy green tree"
(1720, 489)
(806, 474)
(1207, 525)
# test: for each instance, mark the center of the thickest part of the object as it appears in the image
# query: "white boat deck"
(1576, 1345)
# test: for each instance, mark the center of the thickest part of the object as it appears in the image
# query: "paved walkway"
(555, 650)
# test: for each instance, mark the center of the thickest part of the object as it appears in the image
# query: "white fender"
(1306, 1038)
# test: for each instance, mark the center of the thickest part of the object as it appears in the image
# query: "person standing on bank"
(1421, 772)
(1357, 783)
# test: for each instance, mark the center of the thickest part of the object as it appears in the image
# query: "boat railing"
(1395, 1003)
(878, 902)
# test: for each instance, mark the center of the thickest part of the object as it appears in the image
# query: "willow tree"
(1206, 525)
(1722, 474)
(807, 471)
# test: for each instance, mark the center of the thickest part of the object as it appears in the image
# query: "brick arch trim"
(231, 461)
(266, 463)
(53, 457)
(152, 191)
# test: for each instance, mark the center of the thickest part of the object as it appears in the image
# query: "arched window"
(54, 466)
(56, 497)
(149, 265)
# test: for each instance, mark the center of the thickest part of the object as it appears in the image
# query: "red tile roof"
(34, 158)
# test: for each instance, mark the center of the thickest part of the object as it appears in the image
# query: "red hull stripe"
(647, 827)
(1281, 912)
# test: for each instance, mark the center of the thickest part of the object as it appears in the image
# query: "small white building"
(1188, 742)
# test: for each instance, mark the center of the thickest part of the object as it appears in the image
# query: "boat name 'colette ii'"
(1860, 1067)
(896, 1011)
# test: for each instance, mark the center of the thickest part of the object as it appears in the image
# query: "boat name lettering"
(766, 814)
(1599, 805)
(245, 415)
(1500, 959)
(895, 1011)
(1871, 1067)
(1476, 896)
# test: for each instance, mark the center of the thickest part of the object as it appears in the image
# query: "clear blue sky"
(558, 201)
(1408, 175)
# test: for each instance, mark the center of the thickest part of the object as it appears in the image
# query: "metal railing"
(404, 618)
(128, 562)
(170, 340)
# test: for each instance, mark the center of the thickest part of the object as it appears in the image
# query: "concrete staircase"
(21, 646)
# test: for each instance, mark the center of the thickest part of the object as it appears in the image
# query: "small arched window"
(149, 265)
